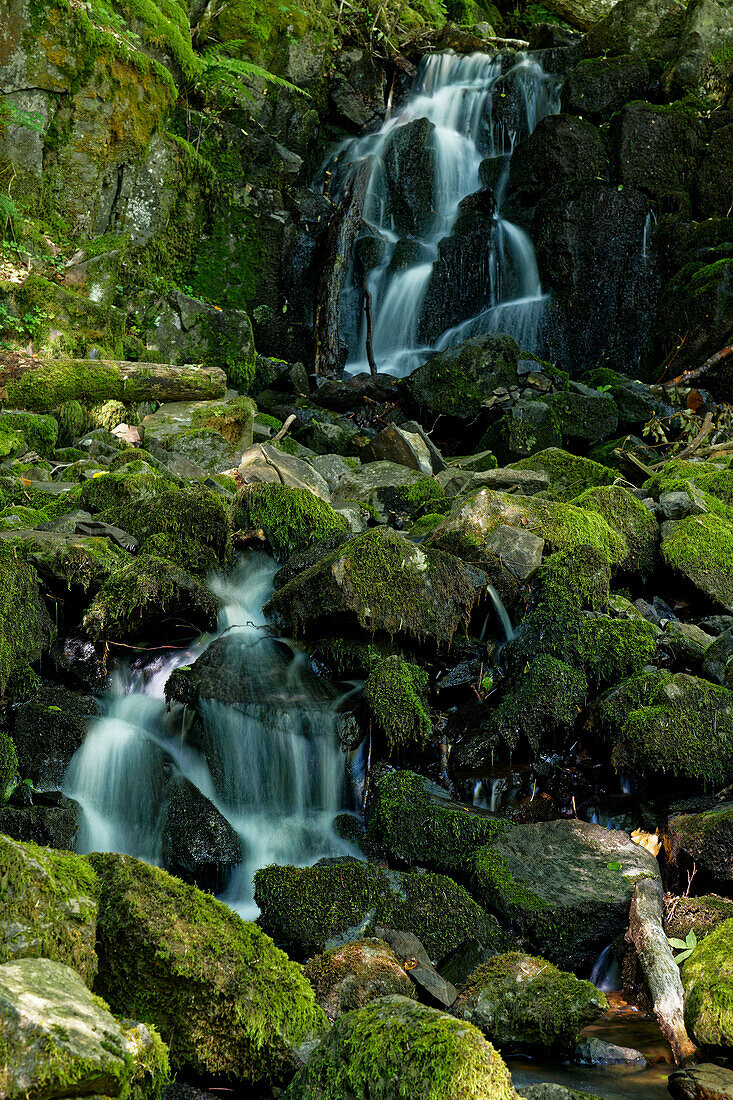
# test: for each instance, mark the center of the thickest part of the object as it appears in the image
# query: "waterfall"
(271, 763)
(474, 109)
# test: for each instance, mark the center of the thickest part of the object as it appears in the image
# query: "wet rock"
(443, 1056)
(263, 463)
(706, 979)
(26, 630)
(644, 28)
(592, 1051)
(527, 1004)
(459, 287)
(382, 582)
(554, 1092)
(432, 987)
(702, 62)
(48, 730)
(528, 427)
(705, 838)
(348, 977)
(525, 482)
(49, 907)
(560, 148)
(696, 548)
(598, 87)
(703, 1082)
(396, 694)
(312, 908)
(718, 662)
(49, 826)
(714, 177)
(356, 89)
(566, 885)
(409, 165)
(188, 330)
(654, 149)
(520, 551)
(407, 445)
(239, 1008)
(199, 844)
(584, 414)
(388, 487)
(68, 560)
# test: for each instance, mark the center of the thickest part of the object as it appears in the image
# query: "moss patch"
(292, 519)
(396, 694)
(707, 979)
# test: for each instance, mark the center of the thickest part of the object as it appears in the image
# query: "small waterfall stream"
(271, 763)
(476, 109)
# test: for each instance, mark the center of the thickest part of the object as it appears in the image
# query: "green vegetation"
(25, 628)
(569, 474)
(396, 693)
(8, 766)
(292, 519)
(707, 979)
(543, 702)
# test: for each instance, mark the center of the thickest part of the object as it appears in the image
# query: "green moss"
(569, 474)
(545, 701)
(50, 504)
(39, 432)
(151, 1070)
(172, 956)
(396, 693)
(11, 441)
(292, 519)
(83, 562)
(701, 548)
(59, 381)
(8, 766)
(418, 1050)
(190, 514)
(707, 980)
(25, 628)
(581, 577)
(134, 483)
(73, 421)
(624, 513)
(49, 906)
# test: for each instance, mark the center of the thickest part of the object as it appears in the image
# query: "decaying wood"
(713, 361)
(340, 239)
(285, 428)
(369, 330)
(661, 973)
(129, 382)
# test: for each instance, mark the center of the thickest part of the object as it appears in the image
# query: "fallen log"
(661, 973)
(47, 383)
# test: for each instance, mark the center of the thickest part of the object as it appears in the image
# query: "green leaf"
(691, 940)
(679, 959)
(679, 944)
(614, 866)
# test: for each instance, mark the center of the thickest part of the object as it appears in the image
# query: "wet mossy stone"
(565, 885)
(352, 975)
(455, 382)
(292, 519)
(413, 821)
(8, 766)
(584, 414)
(112, 492)
(524, 1003)
(541, 705)
(706, 838)
(206, 449)
(48, 826)
(48, 730)
(381, 582)
(642, 28)
(561, 147)
(707, 980)
(49, 907)
(700, 548)
(68, 560)
(313, 908)
(663, 724)
(147, 595)
(191, 514)
(235, 1006)
(599, 86)
(526, 429)
(396, 693)
(581, 577)
(232, 419)
(569, 474)
(26, 630)
(57, 1038)
(39, 432)
(387, 487)
(396, 1048)
(626, 514)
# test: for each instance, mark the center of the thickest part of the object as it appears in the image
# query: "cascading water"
(271, 764)
(476, 109)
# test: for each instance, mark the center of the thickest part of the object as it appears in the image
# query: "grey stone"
(527, 482)
(383, 485)
(703, 1082)
(331, 468)
(595, 1052)
(519, 550)
(406, 445)
(187, 330)
(99, 529)
(432, 986)
(263, 463)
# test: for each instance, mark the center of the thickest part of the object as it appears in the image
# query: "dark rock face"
(48, 731)
(410, 172)
(598, 87)
(654, 149)
(460, 283)
(645, 28)
(49, 826)
(713, 188)
(199, 844)
(559, 149)
(703, 1082)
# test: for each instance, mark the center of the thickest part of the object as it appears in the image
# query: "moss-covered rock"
(151, 1069)
(382, 582)
(291, 519)
(233, 420)
(699, 915)
(347, 977)
(707, 980)
(396, 693)
(8, 766)
(414, 822)
(526, 429)
(565, 885)
(175, 957)
(387, 487)
(68, 561)
(193, 514)
(541, 705)
(633, 522)
(136, 481)
(26, 630)
(39, 432)
(569, 474)
(150, 594)
(700, 548)
(706, 838)
(308, 907)
(48, 730)
(396, 1047)
(524, 1003)
(664, 724)
(580, 577)
(49, 907)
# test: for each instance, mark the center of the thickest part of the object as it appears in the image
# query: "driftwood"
(691, 375)
(369, 330)
(661, 973)
(340, 239)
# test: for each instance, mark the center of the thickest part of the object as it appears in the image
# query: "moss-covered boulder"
(67, 560)
(26, 630)
(388, 487)
(700, 549)
(569, 474)
(528, 427)
(705, 838)
(626, 514)
(234, 1005)
(347, 977)
(580, 577)
(382, 582)
(132, 483)
(48, 730)
(150, 594)
(413, 821)
(542, 705)
(58, 1039)
(664, 724)
(524, 1003)
(699, 915)
(396, 694)
(39, 432)
(188, 526)
(707, 979)
(233, 420)
(395, 1047)
(311, 907)
(565, 885)
(49, 907)
(290, 519)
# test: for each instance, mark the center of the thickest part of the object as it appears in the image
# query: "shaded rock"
(187, 963)
(49, 826)
(395, 1038)
(583, 413)
(560, 148)
(49, 907)
(409, 165)
(199, 844)
(705, 838)
(48, 730)
(706, 979)
(701, 915)
(432, 987)
(520, 551)
(348, 977)
(388, 487)
(699, 548)
(644, 28)
(528, 427)
(598, 87)
(714, 179)
(459, 288)
(718, 662)
(26, 630)
(703, 1082)
(79, 560)
(565, 885)
(525, 1003)
(407, 445)
(703, 61)
(263, 463)
(654, 148)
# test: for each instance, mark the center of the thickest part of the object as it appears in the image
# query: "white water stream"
(272, 765)
(464, 98)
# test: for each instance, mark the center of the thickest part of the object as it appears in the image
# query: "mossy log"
(46, 383)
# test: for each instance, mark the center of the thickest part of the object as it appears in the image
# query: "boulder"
(430, 1054)
(568, 475)
(520, 551)
(592, 1051)
(409, 168)
(699, 915)
(598, 87)
(565, 885)
(199, 844)
(700, 549)
(458, 289)
(644, 28)
(313, 908)
(263, 463)
(406, 444)
(528, 427)
(583, 414)
(432, 987)
(561, 148)
(66, 560)
(718, 661)
(703, 1082)
(396, 694)
(634, 523)
(175, 957)
(654, 149)
(555, 1092)
(187, 330)
(347, 977)
(233, 419)
(56, 1037)
(291, 519)
(526, 1004)
(706, 978)
(49, 826)
(703, 62)
(705, 838)
(714, 179)
(381, 582)
(48, 730)
(389, 487)
(26, 630)
(49, 907)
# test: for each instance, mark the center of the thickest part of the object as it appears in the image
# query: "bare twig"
(285, 429)
(713, 361)
(369, 331)
(704, 432)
